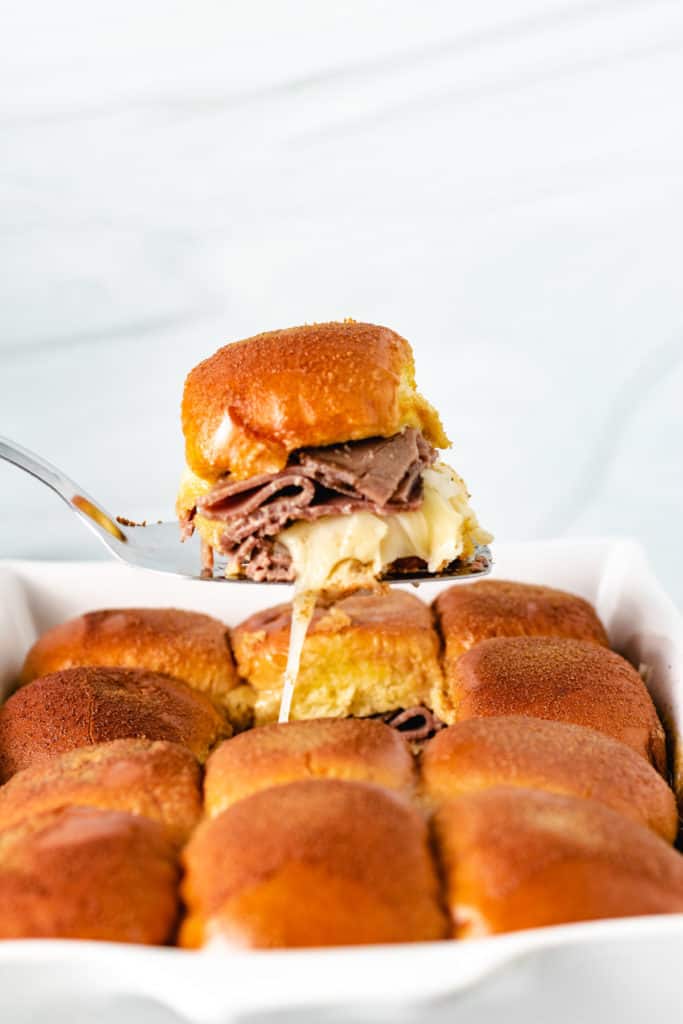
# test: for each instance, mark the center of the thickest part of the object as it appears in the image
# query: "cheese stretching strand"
(303, 607)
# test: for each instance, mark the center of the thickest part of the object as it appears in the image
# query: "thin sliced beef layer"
(415, 724)
(385, 471)
(379, 475)
(261, 559)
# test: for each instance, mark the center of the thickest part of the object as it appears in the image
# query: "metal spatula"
(157, 546)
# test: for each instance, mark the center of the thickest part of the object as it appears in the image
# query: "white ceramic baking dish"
(573, 973)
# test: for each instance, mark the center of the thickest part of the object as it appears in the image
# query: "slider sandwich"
(312, 458)
(86, 873)
(515, 858)
(81, 707)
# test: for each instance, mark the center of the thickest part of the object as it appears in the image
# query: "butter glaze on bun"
(83, 706)
(554, 756)
(361, 750)
(521, 858)
(157, 780)
(187, 645)
(364, 654)
(80, 873)
(468, 615)
(561, 680)
(252, 403)
(317, 863)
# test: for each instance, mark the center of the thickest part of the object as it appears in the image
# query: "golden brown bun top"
(554, 756)
(300, 387)
(157, 779)
(188, 645)
(521, 858)
(503, 608)
(82, 706)
(337, 748)
(319, 862)
(387, 612)
(561, 680)
(81, 873)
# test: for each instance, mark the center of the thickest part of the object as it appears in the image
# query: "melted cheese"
(303, 607)
(350, 551)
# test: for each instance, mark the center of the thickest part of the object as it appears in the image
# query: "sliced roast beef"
(379, 475)
(232, 499)
(262, 558)
(415, 724)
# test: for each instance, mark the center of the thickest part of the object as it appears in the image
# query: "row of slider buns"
(545, 802)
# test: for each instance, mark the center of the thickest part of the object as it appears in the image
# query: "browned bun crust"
(363, 750)
(155, 779)
(364, 654)
(80, 873)
(82, 706)
(519, 858)
(467, 615)
(300, 387)
(314, 863)
(560, 680)
(187, 645)
(554, 756)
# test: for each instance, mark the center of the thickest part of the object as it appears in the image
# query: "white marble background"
(502, 182)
